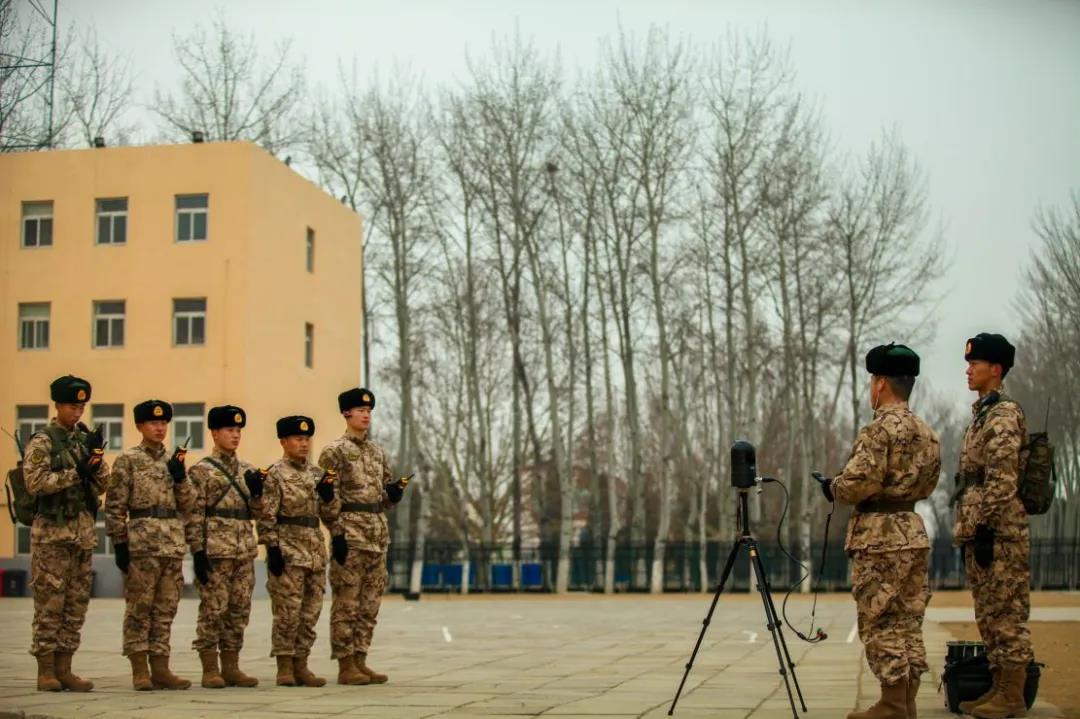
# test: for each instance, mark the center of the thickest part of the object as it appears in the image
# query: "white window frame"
(187, 421)
(112, 216)
(35, 212)
(191, 213)
(112, 318)
(113, 421)
(37, 323)
(188, 317)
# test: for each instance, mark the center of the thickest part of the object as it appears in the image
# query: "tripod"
(772, 620)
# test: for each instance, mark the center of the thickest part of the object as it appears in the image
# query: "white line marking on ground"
(752, 636)
(853, 632)
(446, 635)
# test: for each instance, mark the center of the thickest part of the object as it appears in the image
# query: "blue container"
(502, 576)
(451, 575)
(430, 576)
(532, 575)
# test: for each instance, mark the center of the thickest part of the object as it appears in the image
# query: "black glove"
(203, 567)
(88, 466)
(396, 490)
(984, 546)
(254, 479)
(825, 483)
(325, 487)
(275, 561)
(176, 465)
(339, 548)
(123, 559)
(95, 439)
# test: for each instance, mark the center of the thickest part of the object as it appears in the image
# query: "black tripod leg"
(763, 589)
(783, 644)
(708, 618)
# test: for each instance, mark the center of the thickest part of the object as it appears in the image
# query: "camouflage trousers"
(1002, 602)
(891, 591)
(358, 587)
(152, 590)
(60, 582)
(225, 605)
(296, 599)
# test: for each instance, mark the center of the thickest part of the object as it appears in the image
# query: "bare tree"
(230, 92)
(30, 117)
(98, 87)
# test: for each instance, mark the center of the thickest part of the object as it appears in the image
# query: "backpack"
(1038, 479)
(23, 506)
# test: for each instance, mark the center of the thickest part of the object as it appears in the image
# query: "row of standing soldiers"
(896, 461)
(157, 509)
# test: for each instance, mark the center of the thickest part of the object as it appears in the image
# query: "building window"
(110, 417)
(188, 422)
(309, 344)
(34, 326)
(109, 323)
(30, 418)
(112, 221)
(191, 217)
(37, 224)
(189, 322)
(310, 250)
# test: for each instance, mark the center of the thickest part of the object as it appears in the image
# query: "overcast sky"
(986, 94)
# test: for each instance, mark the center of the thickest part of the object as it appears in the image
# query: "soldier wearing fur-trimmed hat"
(64, 471)
(220, 535)
(359, 536)
(894, 463)
(145, 510)
(992, 527)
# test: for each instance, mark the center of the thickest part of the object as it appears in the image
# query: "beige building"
(200, 274)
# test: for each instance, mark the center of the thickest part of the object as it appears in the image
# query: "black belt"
(228, 513)
(372, 508)
(152, 513)
(885, 506)
(311, 522)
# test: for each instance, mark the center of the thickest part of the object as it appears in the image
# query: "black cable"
(812, 637)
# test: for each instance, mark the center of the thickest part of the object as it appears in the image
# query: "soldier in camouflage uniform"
(992, 527)
(219, 533)
(295, 497)
(63, 469)
(894, 463)
(145, 507)
(359, 537)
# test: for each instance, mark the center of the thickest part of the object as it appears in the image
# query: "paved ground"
(579, 656)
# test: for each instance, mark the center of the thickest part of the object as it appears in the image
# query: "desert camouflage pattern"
(358, 588)
(1002, 602)
(220, 537)
(990, 461)
(296, 599)
(896, 457)
(891, 591)
(41, 479)
(60, 581)
(363, 472)
(141, 480)
(152, 590)
(225, 605)
(290, 491)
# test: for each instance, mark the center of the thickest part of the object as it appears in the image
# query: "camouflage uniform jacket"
(990, 458)
(363, 473)
(140, 480)
(897, 457)
(290, 492)
(220, 537)
(42, 479)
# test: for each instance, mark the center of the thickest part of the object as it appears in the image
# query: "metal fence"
(1055, 564)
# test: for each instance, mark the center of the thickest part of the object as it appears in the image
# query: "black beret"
(892, 360)
(356, 397)
(226, 416)
(294, 425)
(70, 389)
(990, 347)
(152, 409)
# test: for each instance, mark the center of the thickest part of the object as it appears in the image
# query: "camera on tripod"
(743, 465)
